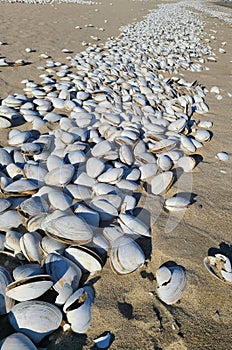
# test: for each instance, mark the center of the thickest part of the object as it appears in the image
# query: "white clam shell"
(162, 182)
(164, 162)
(27, 270)
(126, 255)
(17, 341)
(6, 303)
(101, 149)
(187, 163)
(29, 288)
(4, 204)
(163, 145)
(60, 176)
(223, 156)
(69, 229)
(79, 191)
(10, 219)
(131, 224)
(35, 318)
(78, 309)
(176, 203)
(86, 259)
(111, 176)
(171, 283)
(94, 167)
(30, 246)
(219, 266)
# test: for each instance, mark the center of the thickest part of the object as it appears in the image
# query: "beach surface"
(128, 306)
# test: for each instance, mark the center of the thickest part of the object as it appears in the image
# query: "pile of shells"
(114, 126)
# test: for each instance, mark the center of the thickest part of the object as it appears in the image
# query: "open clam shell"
(29, 288)
(85, 258)
(36, 319)
(171, 283)
(131, 224)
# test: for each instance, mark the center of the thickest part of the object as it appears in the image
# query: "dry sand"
(128, 306)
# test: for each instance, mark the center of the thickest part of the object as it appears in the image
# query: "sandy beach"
(128, 306)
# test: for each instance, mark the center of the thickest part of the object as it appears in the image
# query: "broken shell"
(171, 283)
(35, 318)
(219, 266)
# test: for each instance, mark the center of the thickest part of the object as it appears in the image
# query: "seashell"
(102, 189)
(131, 224)
(22, 187)
(187, 163)
(132, 174)
(76, 157)
(78, 309)
(164, 162)
(187, 144)
(126, 155)
(101, 149)
(81, 178)
(161, 146)
(30, 246)
(85, 258)
(112, 175)
(5, 157)
(10, 219)
(127, 185)
(60, 176)
(65, 275)
(94, 167)
(126, 255)
(205, 124)
(176, 203)
(103, 342)
(59, 199)
(33, 206)
(5, 123)
(36, 319)
(54, 162)
(178, 125)
(162, 182)
(223, 156)
(6, 303)
(17, 341)
(4, 204)
(12, 241)
(50, 245)
(18, 137)
(27, 270)
(35, 172)
(69, 229)
(79, 192)
(29, 288)
(92, 217)
(14, 171)
(202, 135)
(219, 266)
(105, 209)
(171, 283)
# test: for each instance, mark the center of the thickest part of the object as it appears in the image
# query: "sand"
(128, 306)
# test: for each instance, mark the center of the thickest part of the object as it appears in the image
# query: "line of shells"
(104, 127)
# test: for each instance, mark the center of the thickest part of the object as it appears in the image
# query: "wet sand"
(128, 306)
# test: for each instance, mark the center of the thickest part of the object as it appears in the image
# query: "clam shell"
(171, 283)
(6, 303)
(131, 224)
(4, 204)
(29, 288)
(60, 176)
(69, 229)
(161, 146)
(187, 163)
(10, 219)
(36, 319)
(22, 187)
(162, 182)
(78, 309)
(90, 216)
(176, 203)
(94, 167)
(27, 270)
(111, 176)
(223, 156)
(86, 259)
(30, 246)
(17, 341)
(219, 266)
(126, 255)
(101, 149)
